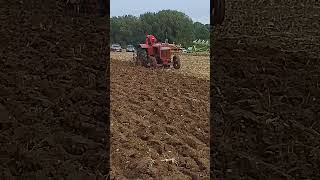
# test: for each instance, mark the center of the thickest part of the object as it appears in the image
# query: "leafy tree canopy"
(166, 24)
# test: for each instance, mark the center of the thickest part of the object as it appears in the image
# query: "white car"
(184, 50)
(116, 48)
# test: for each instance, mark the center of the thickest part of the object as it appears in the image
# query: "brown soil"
(192, 65)
(158, 115)
(266, 103)
(52, 95)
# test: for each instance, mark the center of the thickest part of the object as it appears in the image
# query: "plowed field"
(159, 123)
(192, 65)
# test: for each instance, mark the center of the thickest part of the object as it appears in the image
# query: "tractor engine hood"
(165, 48)
(144, 46)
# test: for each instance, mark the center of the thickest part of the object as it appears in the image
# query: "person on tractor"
(150, 39)
(153, 39)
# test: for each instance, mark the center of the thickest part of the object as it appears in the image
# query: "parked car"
(189, 50)
(184, 50)
(116, 48)
(130, 48)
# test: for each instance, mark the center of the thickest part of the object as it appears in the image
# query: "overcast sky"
(197, 10)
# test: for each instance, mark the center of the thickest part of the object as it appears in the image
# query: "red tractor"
(156, 54)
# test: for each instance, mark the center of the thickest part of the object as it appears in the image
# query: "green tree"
(171, 24)
(200, 31)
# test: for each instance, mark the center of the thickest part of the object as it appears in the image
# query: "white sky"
(197, 10)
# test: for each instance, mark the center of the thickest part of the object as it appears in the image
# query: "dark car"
(116, 48)
(130, 48)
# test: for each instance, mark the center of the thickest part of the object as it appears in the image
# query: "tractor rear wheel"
(153, 62)
(142, 58)
(138, 61)
(176, 62)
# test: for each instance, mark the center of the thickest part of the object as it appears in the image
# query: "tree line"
(166, 24)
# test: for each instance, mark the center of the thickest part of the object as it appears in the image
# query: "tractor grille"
(165, 54)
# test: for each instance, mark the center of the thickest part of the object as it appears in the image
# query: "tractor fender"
(144, 46)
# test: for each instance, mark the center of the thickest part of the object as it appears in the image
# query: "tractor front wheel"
(176, 62)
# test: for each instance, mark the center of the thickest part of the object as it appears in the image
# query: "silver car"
(116, 48)
(130, 48)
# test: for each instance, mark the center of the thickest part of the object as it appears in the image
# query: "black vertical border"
(107, 60)
(102, 59)
(216, 109)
